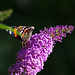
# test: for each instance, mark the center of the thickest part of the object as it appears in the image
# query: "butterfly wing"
(24, 30)
(10, 32)
(14, 33)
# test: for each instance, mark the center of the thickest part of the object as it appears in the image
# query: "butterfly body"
(25, 32)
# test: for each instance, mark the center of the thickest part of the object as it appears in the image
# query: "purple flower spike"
(30, 59)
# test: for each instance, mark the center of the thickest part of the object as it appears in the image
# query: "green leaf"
(5, 14)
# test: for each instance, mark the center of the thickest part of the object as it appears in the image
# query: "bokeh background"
(40, 14)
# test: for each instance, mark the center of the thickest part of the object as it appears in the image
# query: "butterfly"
(24, 31)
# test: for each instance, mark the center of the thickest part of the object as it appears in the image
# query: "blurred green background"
(40, 14)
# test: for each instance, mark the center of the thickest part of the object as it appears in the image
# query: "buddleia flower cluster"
(30, 59)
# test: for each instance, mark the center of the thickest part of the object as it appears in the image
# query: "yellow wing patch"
(15, 32)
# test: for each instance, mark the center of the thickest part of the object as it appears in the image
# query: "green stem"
(5, 27)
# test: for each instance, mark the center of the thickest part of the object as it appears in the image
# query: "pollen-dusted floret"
(30, 59)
